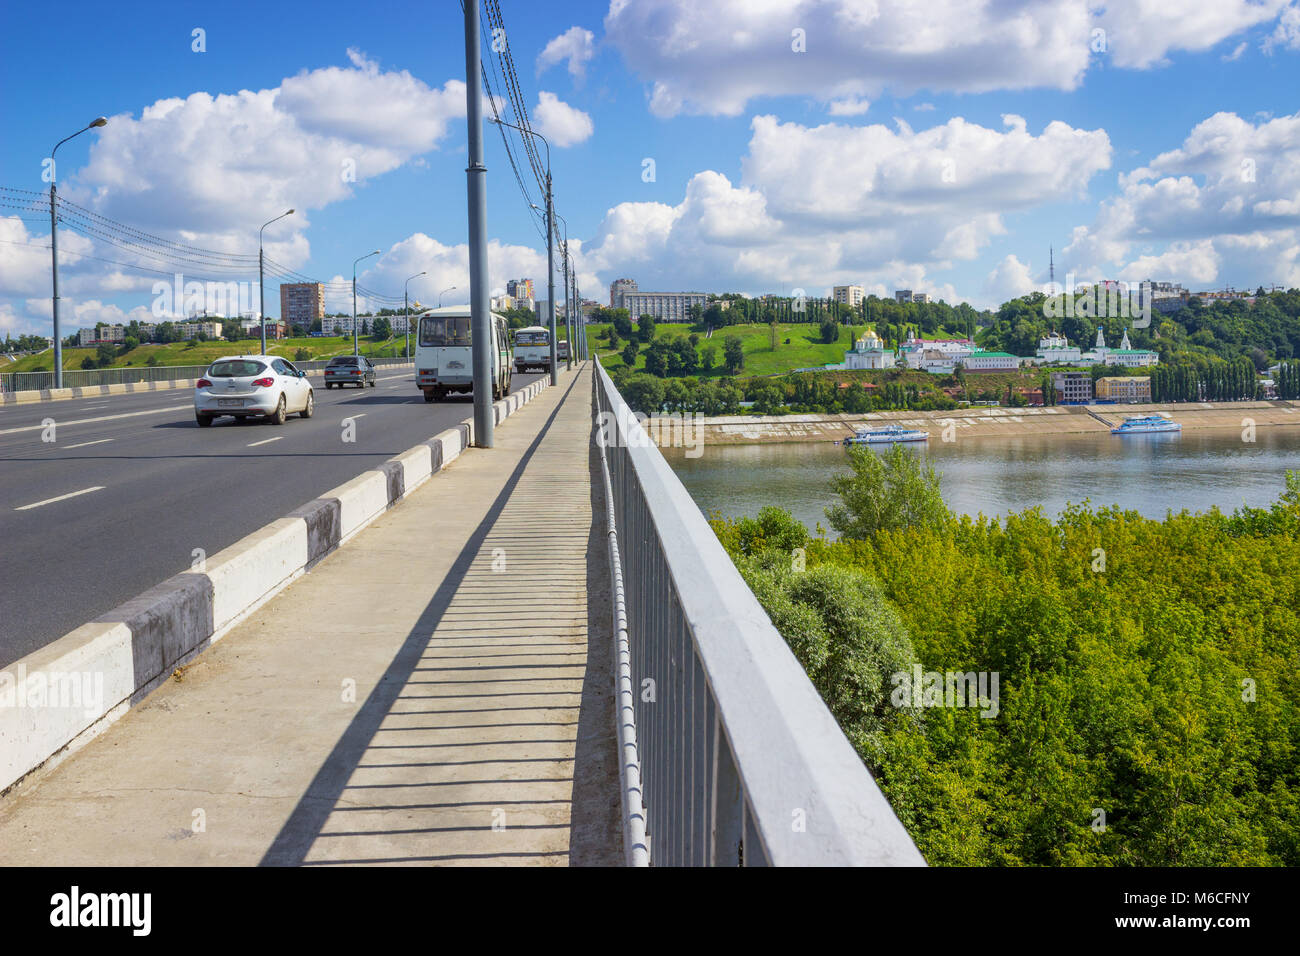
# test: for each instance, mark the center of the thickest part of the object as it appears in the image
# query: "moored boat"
(1145, 424)
(887, 435)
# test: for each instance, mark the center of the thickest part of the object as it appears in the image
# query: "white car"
(247, 386)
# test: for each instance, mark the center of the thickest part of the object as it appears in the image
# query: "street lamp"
(54, 248)
(261, 281)
(442, 293)
(356, 345)
(568, 306)
(550, 254)
(406, 299)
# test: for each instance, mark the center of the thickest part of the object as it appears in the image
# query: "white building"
(869, 352)
(1125, 355)
(939, 356)
(104, 333)
(664, 306)
(982, 361)
(1055, 349)
(850, 295)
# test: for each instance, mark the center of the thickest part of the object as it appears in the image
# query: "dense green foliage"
(1147, 671)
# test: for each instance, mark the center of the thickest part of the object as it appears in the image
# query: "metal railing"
(90, 378)
(725, 741)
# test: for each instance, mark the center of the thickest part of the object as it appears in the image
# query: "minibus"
(533, 348)
(444, 359)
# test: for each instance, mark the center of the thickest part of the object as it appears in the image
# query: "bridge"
(536, 653)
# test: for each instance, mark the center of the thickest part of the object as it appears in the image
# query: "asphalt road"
(162, 487)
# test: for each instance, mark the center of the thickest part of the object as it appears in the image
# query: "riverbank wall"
(993, 422)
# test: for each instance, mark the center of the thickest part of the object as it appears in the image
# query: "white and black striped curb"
(29, 396)
(137, 645)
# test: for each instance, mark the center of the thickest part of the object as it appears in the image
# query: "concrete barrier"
(26, 397)
(113, 662)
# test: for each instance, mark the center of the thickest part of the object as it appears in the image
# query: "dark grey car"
(349, 370)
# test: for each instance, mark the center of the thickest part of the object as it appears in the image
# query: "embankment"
(994, 422)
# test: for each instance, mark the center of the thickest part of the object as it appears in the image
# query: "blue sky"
(938, 146)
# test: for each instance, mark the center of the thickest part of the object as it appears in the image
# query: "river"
(1194, 469)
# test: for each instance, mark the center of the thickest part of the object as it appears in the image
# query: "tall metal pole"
(568, 306)
(406, 307)
(261, 296)
(476, 194)
(54, 249)
(54, 253)
(356, 341)
(550, 272)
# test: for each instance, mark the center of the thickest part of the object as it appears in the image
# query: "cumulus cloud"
(559, 122)
(230, 162)
(1286, 34)
(234, 159)
(831, 204)
(1009, 279)
(576, 45)
(1227, 199)
(714, 56)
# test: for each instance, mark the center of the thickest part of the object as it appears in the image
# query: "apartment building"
(1073, 387)
(1128, 388)
(302, 303)
(850, 295)
(663, 306)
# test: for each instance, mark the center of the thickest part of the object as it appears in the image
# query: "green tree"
(885, 492)
(630, 353)
(733, 354)
(645, 326)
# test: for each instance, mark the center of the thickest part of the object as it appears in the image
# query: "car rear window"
(235, 368)
(346, 360)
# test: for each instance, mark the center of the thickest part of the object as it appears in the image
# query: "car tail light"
(203, 383)
(266, 382)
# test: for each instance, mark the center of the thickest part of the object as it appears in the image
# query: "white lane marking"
(357, 415)
(89, 421)
(398, 385)
(98, 441)
(264, 441)
(50, 501)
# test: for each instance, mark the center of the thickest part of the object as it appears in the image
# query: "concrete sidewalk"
(439, 690)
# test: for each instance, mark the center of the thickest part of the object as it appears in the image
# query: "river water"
(1194, 469)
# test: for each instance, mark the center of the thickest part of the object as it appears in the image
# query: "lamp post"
(550, 246)
(356, 344)
(406, 288)
(568, 306)
(54, 248)
(444, 292)
(261, 282)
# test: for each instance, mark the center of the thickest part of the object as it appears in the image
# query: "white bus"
(444, 360)
(533, 348)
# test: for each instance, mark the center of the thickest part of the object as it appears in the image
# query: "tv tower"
(1051, 268)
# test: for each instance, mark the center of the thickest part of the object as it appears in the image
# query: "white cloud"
(714, 56)
(838, 203)
(1287, 33)
(1236, 53)
(849, 106)
(559, 122)
(231, 161)
(1009, 279)
(576, 45)
(1227, 200)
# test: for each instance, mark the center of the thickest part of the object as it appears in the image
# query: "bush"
(301, 355)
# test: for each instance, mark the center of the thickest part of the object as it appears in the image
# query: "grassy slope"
(203, 353)
(805, 350)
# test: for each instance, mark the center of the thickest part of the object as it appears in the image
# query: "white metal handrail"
(738, 758)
